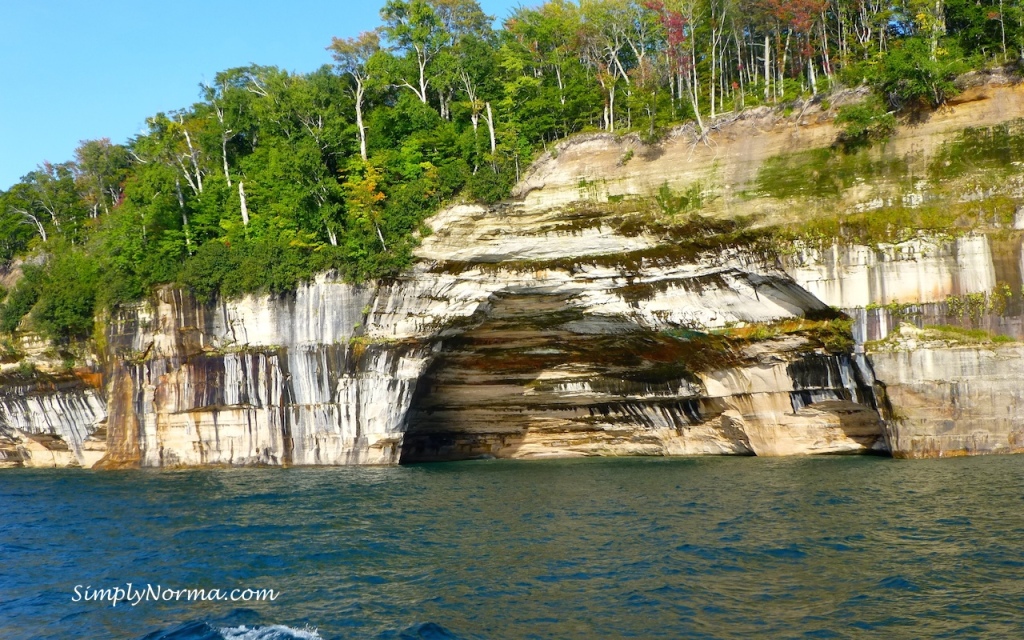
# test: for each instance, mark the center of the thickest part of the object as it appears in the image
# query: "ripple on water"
(816, 548)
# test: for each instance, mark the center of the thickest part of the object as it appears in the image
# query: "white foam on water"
(272, 632)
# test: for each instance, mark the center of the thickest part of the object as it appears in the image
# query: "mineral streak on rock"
(515, 358)
(50, 421)
(569, 322)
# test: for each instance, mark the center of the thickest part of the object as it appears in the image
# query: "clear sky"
(76, 70)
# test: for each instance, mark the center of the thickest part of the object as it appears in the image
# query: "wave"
(272, 632)
(201, 630)
(205, 631)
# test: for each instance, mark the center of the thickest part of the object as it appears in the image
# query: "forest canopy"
(274, 176)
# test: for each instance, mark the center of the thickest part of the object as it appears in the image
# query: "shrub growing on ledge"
(22, 299)
(865, 123)
(910, 77)
(67, 297)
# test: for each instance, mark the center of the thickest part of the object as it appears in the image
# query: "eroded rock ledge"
(506, 355)
(559, 325)
(51, 421)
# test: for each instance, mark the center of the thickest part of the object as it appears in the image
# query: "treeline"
(273, 176)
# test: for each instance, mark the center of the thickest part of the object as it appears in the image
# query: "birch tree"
(353, 58)
(414, 26)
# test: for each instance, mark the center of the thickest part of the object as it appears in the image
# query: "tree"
(609, 35)
(678, 26)
(20, 204)
(910, 77)
(545, 44)
(100, 170)
(463, 25)
(930, 17)
(166, 144)
(67, 297)
(364, 199)
(230, 100)
(353, 56)
(51, 192)
(414, 26)
(16, 229)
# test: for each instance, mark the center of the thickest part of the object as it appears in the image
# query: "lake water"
(644, 548)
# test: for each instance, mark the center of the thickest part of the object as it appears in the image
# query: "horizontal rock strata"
(567, 323)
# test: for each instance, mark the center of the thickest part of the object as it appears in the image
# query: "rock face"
(921, 270)
(949, 398)
(50, 421)
(955, 400)
(950, 392)
(571, 323)
(532, 359)
(510, 355)
(258, 381)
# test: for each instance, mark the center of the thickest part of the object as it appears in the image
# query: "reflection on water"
(709, 547)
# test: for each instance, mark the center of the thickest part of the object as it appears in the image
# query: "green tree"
(67, 296)
(50, 193)
(910, 77)
(414, 26)
(353, 58)
(364, 199)
(21, 300)
(22, 217)
(100, 170)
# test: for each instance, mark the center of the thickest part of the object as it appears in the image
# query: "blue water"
(616, 548)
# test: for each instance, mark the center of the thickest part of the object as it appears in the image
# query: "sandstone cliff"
(686, 298)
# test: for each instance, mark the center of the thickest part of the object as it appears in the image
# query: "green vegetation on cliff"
(273, 176)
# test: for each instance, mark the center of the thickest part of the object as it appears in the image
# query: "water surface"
(677, 548)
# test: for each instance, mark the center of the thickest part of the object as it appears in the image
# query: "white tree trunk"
(245, 208)
(714, 47)
(694, 92)
(184, 214)
(611, 107)
(224, 154)
(421, 58)
(359, 120)
(490, 128)
(780, 85)
(193, 155)
(224, 137)
(938, 28)
(35, 221)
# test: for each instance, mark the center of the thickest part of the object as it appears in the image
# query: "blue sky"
(80, 70)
